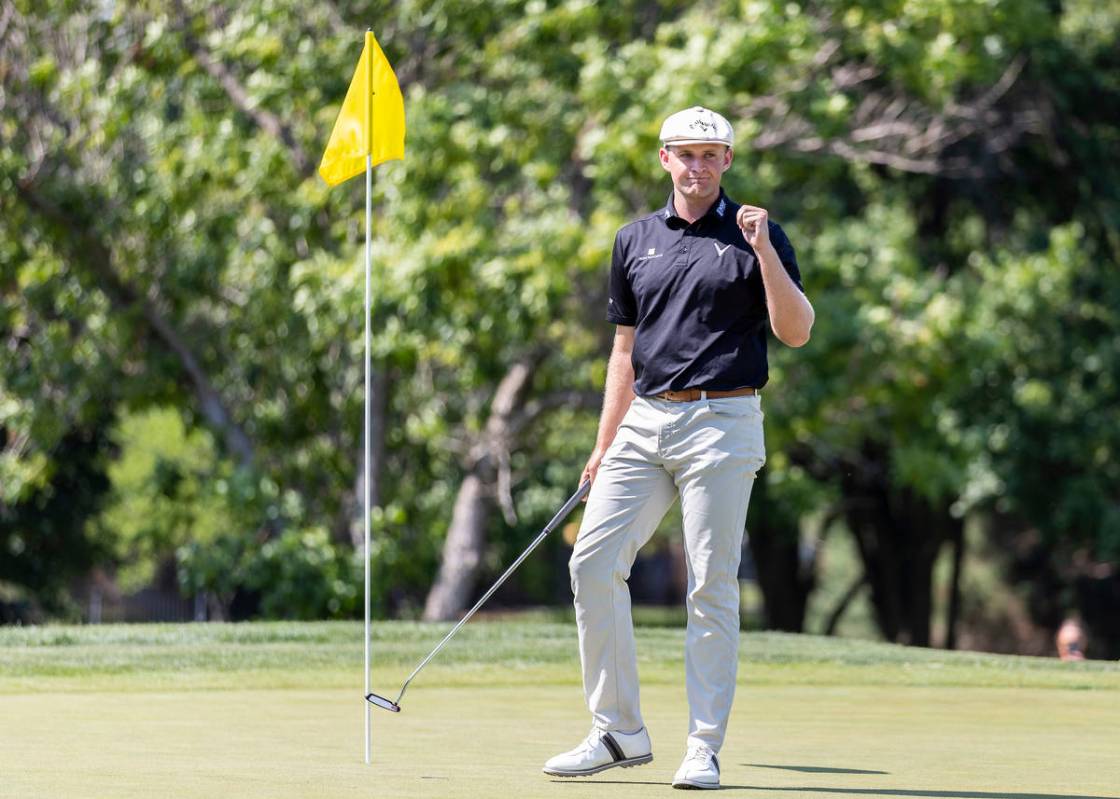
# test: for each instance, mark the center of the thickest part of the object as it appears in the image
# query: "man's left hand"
(753, 222)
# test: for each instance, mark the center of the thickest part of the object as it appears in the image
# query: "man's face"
(696, 168)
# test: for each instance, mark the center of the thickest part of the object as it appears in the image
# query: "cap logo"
(706, 126)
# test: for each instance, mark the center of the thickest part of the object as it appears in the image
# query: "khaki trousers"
(706, 452)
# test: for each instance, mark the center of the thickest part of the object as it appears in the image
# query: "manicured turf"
(274, 710)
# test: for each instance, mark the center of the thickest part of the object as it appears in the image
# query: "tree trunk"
(954, 611)
(899, 535)
(918, 596)
(775, 544)
(462, 551)
(466, 538)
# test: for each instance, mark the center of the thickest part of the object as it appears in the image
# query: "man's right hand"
(591, 469)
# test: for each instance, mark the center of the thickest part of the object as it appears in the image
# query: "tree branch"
(264, 119)
(86, 248)
(893, 130)
(842, 605)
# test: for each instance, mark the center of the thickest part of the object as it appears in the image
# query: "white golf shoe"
(600, 751)
(700, 769)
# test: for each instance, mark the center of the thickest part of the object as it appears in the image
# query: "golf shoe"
(700, 769)
(602, 750)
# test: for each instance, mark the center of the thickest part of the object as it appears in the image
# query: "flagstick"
(365, 482)
(369, 250)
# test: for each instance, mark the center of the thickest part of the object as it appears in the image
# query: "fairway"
(273, 710)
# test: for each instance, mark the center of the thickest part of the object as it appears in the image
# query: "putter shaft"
(562, 514)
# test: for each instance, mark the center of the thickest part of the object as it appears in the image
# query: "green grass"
(274, 710)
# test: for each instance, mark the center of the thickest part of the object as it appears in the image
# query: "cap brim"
(696, 141)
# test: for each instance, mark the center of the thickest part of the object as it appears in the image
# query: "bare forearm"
(791, 313)
(617, 396)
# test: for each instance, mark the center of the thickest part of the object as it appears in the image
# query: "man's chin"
(699, 191)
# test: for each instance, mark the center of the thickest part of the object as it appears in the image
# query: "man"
(692, 287)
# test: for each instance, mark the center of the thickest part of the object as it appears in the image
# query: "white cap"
(696, 125)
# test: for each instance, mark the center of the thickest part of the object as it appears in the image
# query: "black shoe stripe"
(716, 761)
(613, 747)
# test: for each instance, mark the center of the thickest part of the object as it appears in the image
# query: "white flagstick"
(365, 487)
(369, 251)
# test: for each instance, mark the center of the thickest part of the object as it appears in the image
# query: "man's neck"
(690, 211)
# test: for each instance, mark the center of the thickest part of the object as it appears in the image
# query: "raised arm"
(791, 313)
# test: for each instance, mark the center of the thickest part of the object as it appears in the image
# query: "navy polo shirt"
(694, 294)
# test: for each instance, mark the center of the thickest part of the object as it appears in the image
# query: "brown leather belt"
(693, 394)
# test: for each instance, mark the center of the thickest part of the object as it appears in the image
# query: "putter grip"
(569, 506)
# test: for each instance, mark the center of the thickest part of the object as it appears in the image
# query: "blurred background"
(181, 332)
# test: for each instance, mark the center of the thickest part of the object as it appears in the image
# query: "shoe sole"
(628, 763)
(696, 786)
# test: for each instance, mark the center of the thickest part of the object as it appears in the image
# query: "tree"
(168, 249)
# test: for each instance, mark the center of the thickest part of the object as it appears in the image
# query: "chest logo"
(653, 253)
(720, 250)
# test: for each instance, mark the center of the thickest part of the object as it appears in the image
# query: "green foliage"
(164, 494)
(42, 546)
(1047, 334)
(301, 575)
(298, 574)
(966, 290)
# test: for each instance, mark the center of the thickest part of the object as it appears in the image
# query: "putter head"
(383, 703)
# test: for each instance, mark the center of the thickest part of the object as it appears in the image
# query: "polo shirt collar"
(717, 211)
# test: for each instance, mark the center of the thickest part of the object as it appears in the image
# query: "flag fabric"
(371, 121)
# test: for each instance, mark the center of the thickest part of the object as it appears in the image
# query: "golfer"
(692, 289)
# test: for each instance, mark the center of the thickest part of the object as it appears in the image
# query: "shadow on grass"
(817, 769)
(862, 791)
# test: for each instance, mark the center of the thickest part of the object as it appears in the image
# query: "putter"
(569, 506)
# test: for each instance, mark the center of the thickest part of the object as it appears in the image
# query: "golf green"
(269, 711)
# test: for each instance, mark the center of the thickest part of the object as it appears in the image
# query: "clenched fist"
(753, 222)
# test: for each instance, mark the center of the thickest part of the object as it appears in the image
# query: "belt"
(693, 394)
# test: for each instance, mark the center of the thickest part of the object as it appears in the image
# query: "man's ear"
(727, 157)
(663, 155)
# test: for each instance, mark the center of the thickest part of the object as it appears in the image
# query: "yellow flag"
(371, 121)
